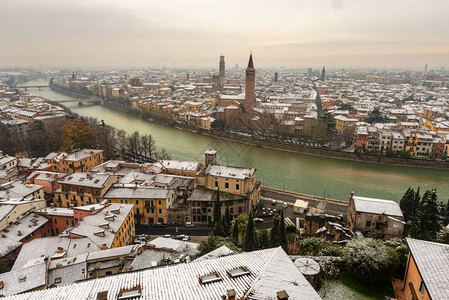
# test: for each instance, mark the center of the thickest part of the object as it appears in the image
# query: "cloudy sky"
(183, 33)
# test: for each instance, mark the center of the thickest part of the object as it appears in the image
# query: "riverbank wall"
(334, 154)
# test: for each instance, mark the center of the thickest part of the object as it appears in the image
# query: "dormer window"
(129, 294)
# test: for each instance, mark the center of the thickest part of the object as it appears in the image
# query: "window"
(66, 222)
(56, 221)
(368, 223)
(129, 294)
(22, 278)
(213, 277)
(422, 288)
(216, 183)
(160, 202)
(238, 272)
(160, 210)
(97, 181)
(237, 186)
(57, 280)
(226, 185)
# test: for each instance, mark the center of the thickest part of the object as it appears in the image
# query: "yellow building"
(426, 275)
(107, 225)
(80, 161)
(79, 189)
(342, 122)
(150, 204)
(193, 105)
(239, 189)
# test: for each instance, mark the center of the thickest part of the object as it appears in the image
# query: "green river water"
(290, 171)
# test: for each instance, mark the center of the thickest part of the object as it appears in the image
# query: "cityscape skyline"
(292, 34)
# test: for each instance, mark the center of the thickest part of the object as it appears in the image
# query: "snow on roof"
(150, 257)
(56, 211)
(175, 245)
(48, 246)
(230, 172)
(18, 189)
(90, 225)
(22, 280)
(180, 165)
(377, 206)
(432, 261)
(82, 154)
(96, 180)
(10, 237)
(140, 192)
(135, 176)
(219, 252)
(270, 271)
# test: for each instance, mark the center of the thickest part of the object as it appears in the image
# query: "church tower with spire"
(250, 85)
(323, 74)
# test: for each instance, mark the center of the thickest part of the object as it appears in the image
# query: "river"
(290, 171)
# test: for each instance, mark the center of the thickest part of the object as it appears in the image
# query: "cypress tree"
(226, 222)
(235, 231)
(282, 232)
(426, 223)
(415, 203)
(216, 226)
(262, 239)
(274, 234)
(407, 204)
(249, 244)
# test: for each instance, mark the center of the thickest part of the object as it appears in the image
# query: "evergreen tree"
(235, 231)
(262, 239)
(226, 222)
(216, 226)
(249, 244)
(426, 223)
(282, 232)
(274, 234)
(416, 202)
(407, 204)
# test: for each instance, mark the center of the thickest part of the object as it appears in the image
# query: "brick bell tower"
(222, 70)
(250, 85)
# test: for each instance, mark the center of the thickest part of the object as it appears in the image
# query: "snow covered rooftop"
(269, 271)
(230, 172)
(140, 192)
(432, 260)
(377, 206)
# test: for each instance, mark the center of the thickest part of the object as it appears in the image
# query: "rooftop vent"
(102, 295)
(282, 295)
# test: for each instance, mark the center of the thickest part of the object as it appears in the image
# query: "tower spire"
(250, 62)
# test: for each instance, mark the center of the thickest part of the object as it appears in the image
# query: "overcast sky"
(181, 33)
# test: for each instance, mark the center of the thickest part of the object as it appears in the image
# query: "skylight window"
(81, 179)
(69, 178)
(241, 271)
(97, 181)
(22, 278)
(129, 294)
(213, 277)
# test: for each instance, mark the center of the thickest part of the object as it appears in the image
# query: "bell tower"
(250, 85)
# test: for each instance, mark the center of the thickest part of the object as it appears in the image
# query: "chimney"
(351, 196)
(60, 249)
(231, 294)
(52, 205)
(282, 295)
(19, 233)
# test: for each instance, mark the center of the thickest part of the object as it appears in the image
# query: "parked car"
(190, 224)
(258, 220)
(173, 224)
(274, 202)
(285, 205)
(167, 236)
(159, 225)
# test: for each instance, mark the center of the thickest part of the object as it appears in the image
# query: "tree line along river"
(306, 174)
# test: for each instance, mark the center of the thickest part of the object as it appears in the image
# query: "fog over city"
(179, 33)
